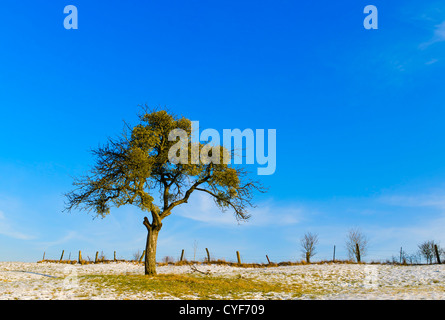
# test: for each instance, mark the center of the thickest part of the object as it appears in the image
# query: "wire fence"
(394, 256)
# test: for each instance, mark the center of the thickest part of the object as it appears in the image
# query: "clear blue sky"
(359, 117)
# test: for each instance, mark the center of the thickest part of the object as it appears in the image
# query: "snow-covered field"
(20, 280)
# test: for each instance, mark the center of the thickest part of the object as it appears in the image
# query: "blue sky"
(358, 113)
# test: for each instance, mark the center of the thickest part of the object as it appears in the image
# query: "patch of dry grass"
(187, 286)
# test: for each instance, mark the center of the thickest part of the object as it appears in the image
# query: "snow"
(19, 280)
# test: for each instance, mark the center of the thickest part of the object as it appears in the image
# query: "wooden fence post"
(357, 253)
(97, 254)
(61, 257)
(142, 256)
(80, 256)
(268, 261)
(333, 257)
(437, 254)
(43, 256)
(182, 255)
(114, 256)
(208, 255)
(238, 257)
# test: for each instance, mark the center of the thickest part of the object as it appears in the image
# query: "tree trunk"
(150, 251)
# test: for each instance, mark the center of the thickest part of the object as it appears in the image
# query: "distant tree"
(308, 244)
(406, 258)
(413, 258)
(136, 255)
(168, 259)
(442, 254)
(427, 250)
(356, 244)
(141, 168)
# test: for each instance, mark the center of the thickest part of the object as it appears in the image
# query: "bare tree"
(168, 259)
(413, 258)
(137, 255)
(426, 250)
(442, 254)
(308, 243)
(356, 244)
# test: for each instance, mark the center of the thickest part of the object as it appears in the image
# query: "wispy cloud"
(438, 36)
(272, 213)
(439, 32)
(432, 61)
(8, 229)
(423, 200)
(70, 235)
(202, 208)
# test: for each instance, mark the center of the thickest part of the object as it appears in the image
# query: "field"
(125, 280)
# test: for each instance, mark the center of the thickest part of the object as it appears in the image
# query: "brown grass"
(190, 286)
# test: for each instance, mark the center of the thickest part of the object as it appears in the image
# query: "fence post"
(80, 256)
(238, 257)
(61, 257)
(114, 256)
(43, 256)
(143, 254)
(437, 254)
(357, 252)
(268, 261)
(97, 254)
(333, 257)
(208, 255)
(182, 255)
